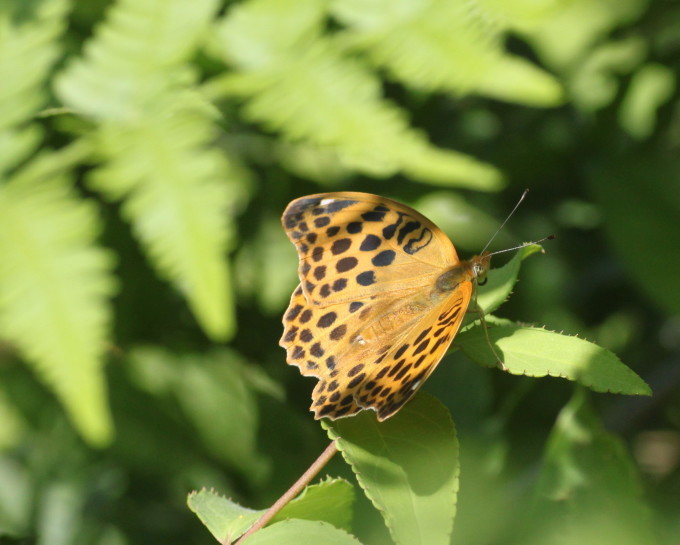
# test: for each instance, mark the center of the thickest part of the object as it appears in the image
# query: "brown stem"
(293, 491)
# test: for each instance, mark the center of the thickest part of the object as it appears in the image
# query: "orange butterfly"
(382, 294)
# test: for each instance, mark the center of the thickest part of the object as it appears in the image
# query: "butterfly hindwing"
(411, 360)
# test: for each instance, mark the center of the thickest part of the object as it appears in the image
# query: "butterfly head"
(479, 267)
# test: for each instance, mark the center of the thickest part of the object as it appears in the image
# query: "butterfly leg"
(478, 310)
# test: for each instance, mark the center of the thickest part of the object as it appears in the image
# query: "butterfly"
(382, 294)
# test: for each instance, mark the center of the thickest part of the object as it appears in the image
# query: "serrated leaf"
(408, 467)
(588, 489)
(225, 519)
(538, 352)
(301, 532)
(328, 501)
(54, 289)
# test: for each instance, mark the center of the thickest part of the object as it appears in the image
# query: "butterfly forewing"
(354, 245)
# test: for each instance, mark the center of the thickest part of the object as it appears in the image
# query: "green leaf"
(537, 352)
(261, 32)
(565, 32)
(225, 519)
(588, 490)
(310, 91)
(408, 467)
(444, 46)
(330, 502)
(515, 79)
(179, 194)
(110, 82)
(500, 281)
(55, 285)
(28, 49)
(651, 87)
(301, 532)
(178, 191)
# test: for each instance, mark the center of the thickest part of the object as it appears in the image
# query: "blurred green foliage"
(147, 150)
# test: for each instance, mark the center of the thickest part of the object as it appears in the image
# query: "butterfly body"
(473, 270)
(382, 294)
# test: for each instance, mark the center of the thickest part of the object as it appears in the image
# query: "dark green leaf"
(588, 489)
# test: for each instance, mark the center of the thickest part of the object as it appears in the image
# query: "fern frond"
(260, 33)
(28, 49)
(54, 289)
(445, 45)
(155, 136)
(135, 56)
(311, 92)
(179, 196)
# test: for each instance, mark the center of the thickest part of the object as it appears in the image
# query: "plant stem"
(293, 491)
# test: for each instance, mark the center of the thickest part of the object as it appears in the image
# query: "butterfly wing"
(345, 330)
(411, 360)
(355, 245)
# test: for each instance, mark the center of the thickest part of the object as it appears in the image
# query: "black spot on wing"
(354, 227)
(346, 264)
(384, 258)
(366, 278)
(341, 245)
(370, 243)
(355, 305)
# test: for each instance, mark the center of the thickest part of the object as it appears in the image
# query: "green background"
(147, 151)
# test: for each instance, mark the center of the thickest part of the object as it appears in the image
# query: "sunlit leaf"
(537, 352)
(55, 284)
(301, 532)
(329, 501)
(407, 466)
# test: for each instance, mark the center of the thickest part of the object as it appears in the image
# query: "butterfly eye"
(478, 270)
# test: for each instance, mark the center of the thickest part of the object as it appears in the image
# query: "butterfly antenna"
(506, 221)
(549, 237)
